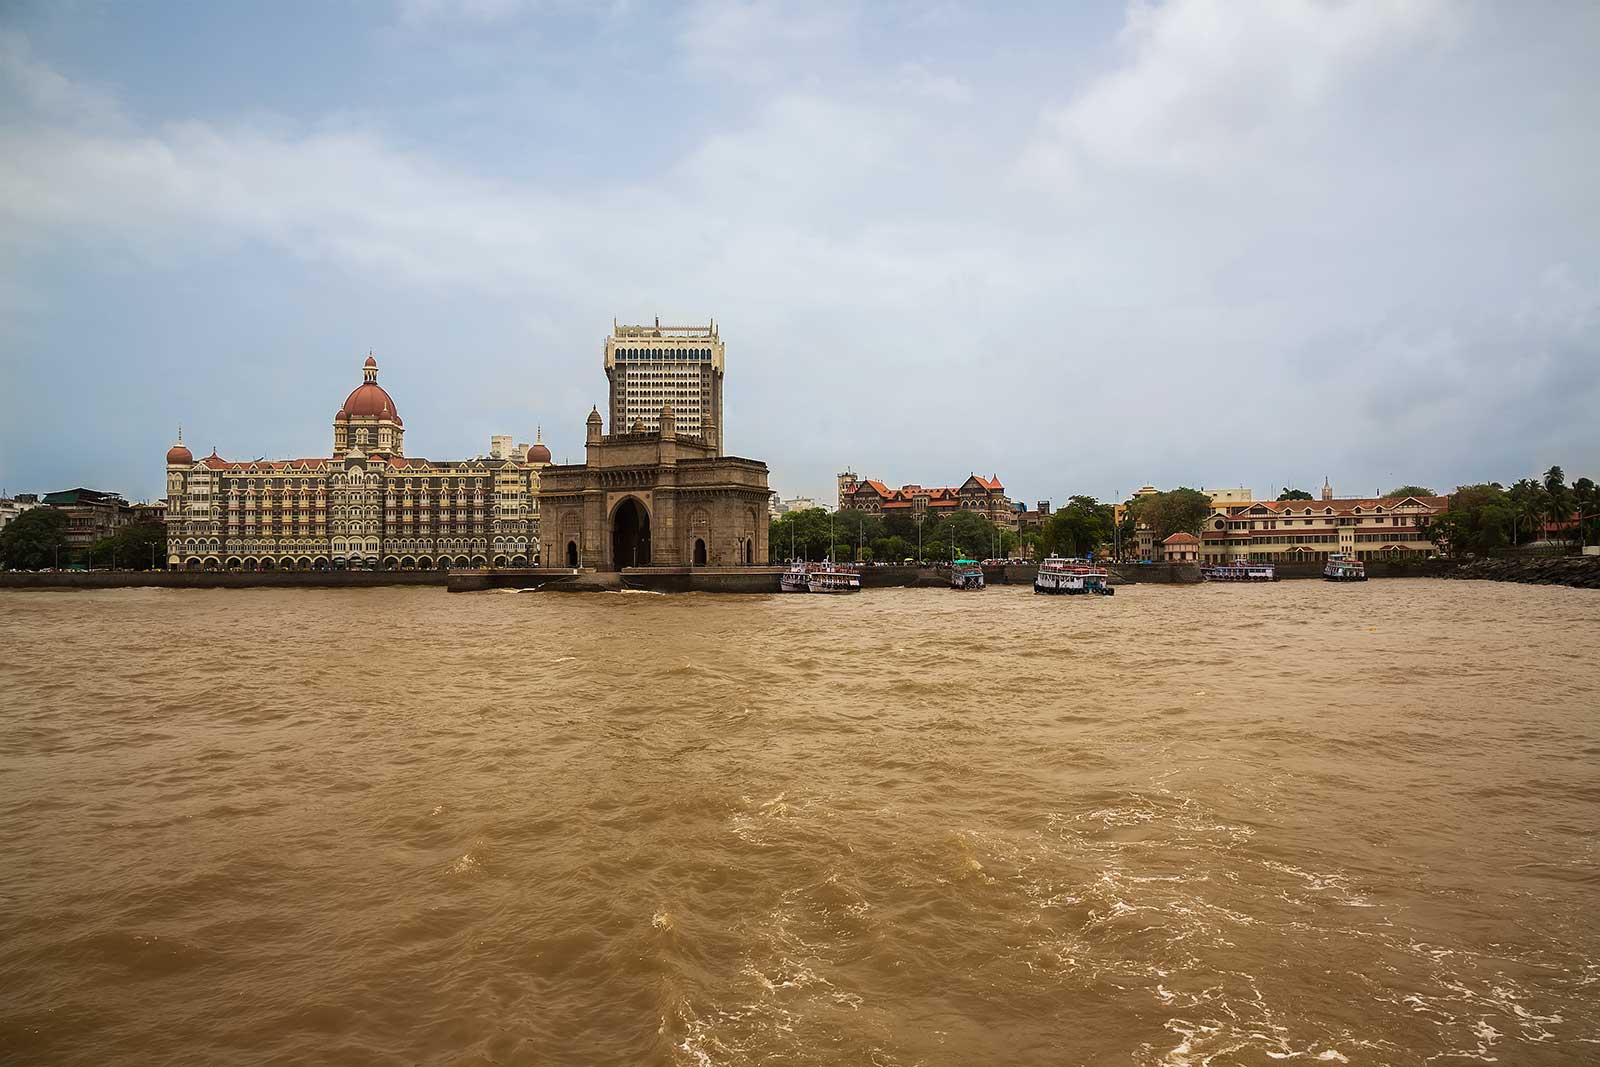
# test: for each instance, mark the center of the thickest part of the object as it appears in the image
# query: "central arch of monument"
(630, 534)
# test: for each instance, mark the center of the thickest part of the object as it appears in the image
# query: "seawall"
(1582, 572)
(216, 579)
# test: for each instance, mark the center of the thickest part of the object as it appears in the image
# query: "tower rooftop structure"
(650, 366)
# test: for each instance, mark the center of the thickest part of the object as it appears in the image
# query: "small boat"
(796, 579)
(833, 578)
(1243, 571)
(1343, 567)
(966, 574)
(1071, 576)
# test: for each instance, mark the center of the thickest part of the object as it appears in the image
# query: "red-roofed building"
(1288, 531)
(368, 505)
(1180, 548)
(986, 496)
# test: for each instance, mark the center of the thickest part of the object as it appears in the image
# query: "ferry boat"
(966, 574)
(833, 578)
(1342, 567)
(797, 579)
(1065, 575)
(1244, 571)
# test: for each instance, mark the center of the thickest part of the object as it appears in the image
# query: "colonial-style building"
(986, 496)
(368, 505)
(1289, 531)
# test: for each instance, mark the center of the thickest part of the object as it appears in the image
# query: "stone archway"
(699, 551)
(630, 535)
(572, 553)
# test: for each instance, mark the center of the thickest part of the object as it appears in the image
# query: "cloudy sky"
(1203, 242)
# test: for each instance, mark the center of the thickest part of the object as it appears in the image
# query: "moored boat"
(796, 579)
(1244, 571)
(966, 574)
(833, 578)
(1342, 567)
(1071, 576)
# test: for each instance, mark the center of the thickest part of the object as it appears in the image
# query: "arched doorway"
(699, 551)
(572, 553)
(749, 552)
(630, 535)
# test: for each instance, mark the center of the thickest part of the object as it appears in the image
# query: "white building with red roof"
(1308, 531)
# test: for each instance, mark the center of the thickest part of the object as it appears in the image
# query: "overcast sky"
(1202, 242)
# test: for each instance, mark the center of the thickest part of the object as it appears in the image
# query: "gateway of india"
(657, 490)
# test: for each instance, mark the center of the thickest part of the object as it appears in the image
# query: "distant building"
(11, 507)
(91, 515)
(1180, 548)
(368, 505)
(148, 511)
(1231, 496)
(652, 367)
(848, 480)
(1289, 531)
(986, 496)
(798, 503)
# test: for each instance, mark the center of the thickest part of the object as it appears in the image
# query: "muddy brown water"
(1298, 822)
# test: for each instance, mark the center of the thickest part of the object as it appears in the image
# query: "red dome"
(369, 399)
(537, 453)
(179, 454)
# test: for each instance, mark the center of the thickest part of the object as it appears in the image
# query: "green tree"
(1586, 499)
(1481, 519)
(1559, 504)
(1079, 528)
(1180, 510)
(1528, 502)
(36, 538)
(1294, 494)
(137, 547)
(1404, 490)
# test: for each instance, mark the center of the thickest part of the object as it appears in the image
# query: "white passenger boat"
(966, 574)
(833, 578)
(1071, 576)
(1239, 572)
(1342, 567)
(797, 579)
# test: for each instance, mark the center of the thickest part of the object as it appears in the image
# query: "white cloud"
(1210, 84)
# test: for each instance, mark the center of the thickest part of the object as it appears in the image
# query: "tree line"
(1490, 517)
(37, 539)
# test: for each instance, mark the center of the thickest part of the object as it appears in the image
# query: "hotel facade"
(368, 505)
(652, 367)
(1308, 531)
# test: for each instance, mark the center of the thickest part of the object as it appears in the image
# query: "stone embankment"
(1582, 572)
(216, 579)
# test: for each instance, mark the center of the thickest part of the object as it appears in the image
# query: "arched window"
(699, 552)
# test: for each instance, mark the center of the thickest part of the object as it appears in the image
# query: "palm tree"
(1558, 502)
(1586, 497)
